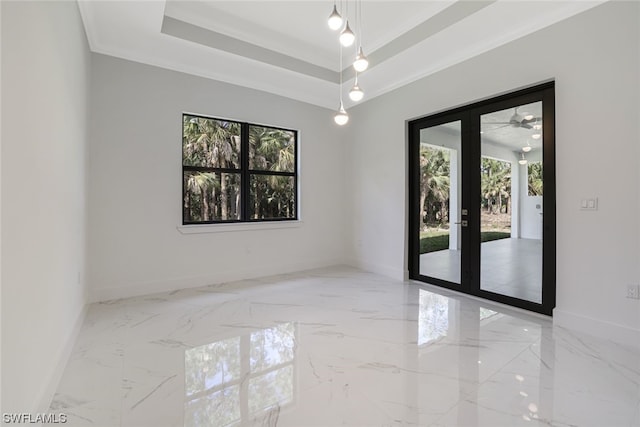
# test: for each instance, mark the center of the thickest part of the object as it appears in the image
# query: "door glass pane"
(440, 198)
(511, 202)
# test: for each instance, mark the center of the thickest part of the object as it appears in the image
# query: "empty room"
(320, 213)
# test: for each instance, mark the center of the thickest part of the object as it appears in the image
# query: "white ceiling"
(286, 47)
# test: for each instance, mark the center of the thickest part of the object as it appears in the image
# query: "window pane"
(210, 143)
(271, 149)
(272, 197)
(211, 196)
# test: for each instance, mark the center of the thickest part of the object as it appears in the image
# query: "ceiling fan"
(517, 120)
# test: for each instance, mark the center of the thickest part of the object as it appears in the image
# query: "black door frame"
(469, 116)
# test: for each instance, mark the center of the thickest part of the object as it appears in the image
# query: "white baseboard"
(599, 328)
(156, 286)
(383, 270)
(50, 385)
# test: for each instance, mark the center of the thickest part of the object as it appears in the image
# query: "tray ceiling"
(286, 47)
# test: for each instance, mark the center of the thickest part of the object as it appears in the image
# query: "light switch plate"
(590, 204)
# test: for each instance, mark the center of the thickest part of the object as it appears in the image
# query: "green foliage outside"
(495, 199)
(534, 178)
(495, 185)
(437, 241)
(213, 195)
(434, 186)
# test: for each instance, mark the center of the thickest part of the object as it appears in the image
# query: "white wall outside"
(531, 207)
(45, 81)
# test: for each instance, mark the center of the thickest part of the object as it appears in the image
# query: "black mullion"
(275, 173)
(549, 201)
(210, 169)
(471, 162)
(414, 200)
(245, 186)
(295, 170)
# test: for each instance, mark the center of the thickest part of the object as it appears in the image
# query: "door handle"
(464, 223)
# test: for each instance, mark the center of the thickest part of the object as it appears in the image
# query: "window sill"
(245, 226)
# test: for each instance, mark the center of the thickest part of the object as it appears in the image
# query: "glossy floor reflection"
(510, 267)
(338, 347)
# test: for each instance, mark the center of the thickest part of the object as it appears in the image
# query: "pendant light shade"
(347, 37)
(361, 63)
(526, 148)
(522, 161)
(341, 118)
(356, 94)
(335, 20)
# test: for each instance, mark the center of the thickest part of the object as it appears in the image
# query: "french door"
(482, 199)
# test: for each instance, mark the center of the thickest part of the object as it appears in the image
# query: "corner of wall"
(383, 270)
(50, 385)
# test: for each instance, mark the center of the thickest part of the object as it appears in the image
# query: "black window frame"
(244, 171)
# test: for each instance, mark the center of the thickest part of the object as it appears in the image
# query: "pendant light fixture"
(346, 36)
(356, 94)
(361, 62)
(522, 161)
(335, 20)
(341, 117)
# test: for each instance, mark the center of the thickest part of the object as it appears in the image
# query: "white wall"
(530, 206)
(0, 208)
(597, 106)
(45, 62)
(135, 184)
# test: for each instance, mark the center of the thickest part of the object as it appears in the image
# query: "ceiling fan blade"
(535, 119)
(526, 125)
(498, 127)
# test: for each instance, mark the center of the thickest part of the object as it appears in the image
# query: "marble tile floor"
(339, 347)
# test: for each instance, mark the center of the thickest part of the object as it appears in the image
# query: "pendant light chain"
(359, 4)
(340, 73)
